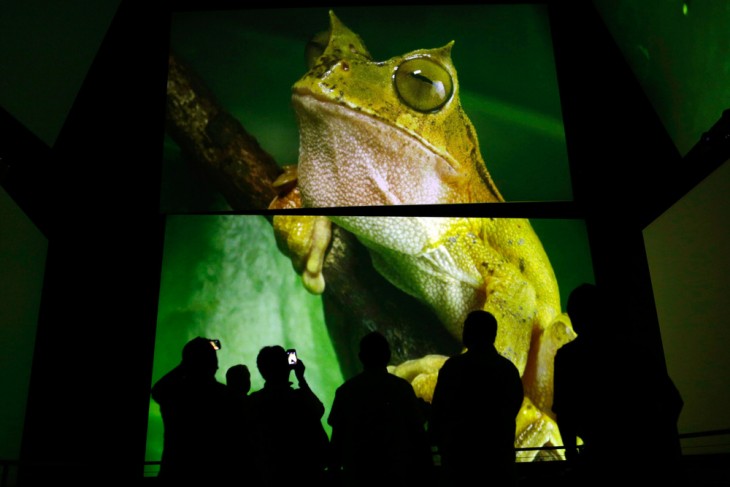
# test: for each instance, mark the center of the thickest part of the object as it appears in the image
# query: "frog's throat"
(306, 99)
(349, 158)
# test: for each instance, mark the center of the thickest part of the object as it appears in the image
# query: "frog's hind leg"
(537, 379)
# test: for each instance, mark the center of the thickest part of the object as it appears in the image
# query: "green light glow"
(224, 277)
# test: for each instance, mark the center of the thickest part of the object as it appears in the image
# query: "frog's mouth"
(348, 158)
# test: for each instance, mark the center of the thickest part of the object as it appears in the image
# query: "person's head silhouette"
(584, 306)
(238, 378)
(374, 351)
(273, 364)
(480, 330)
(199, 357)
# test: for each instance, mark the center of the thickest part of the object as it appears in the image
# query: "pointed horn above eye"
(446, 50)
(344, 39)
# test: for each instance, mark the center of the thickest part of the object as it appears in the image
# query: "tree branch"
(216, 142)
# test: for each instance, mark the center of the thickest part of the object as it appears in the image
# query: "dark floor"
(707, 470)
(698, 470)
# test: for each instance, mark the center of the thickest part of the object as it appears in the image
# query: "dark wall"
(622, 160)
(96, 196)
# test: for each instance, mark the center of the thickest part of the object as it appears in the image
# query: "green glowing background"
(503, 55)
(224, 277)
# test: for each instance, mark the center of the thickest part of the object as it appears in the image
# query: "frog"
(393, 132)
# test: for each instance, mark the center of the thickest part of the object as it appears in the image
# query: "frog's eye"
(315, 47)
(423, 84)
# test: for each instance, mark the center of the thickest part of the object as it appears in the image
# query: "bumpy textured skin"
(354, 127)
(362, 145)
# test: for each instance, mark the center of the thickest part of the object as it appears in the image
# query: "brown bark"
(216, 142)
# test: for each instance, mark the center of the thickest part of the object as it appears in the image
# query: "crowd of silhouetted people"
(382, 433)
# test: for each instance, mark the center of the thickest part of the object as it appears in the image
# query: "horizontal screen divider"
(553, 209)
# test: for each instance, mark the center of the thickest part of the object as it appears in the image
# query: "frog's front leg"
(303, 238)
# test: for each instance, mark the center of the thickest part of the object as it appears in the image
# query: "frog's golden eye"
(423, 84)
(315, 47)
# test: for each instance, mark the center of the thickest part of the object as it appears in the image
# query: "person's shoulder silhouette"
(475, 404)
(587, 308)
(190, 400)
(378, 424)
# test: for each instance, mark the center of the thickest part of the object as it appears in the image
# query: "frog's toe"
(535, 429)
(289, 176)
(422, 373)
(320, 240)
(314, 283)
(288, 195)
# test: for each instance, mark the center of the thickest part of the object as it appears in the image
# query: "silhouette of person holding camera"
(378, 425)
(290, 441)
(190, 399)
(475, 404)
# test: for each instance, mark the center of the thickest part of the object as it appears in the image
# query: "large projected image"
(227, 277)
(379, 80)
(349, 125)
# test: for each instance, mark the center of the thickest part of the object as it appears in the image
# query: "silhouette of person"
(475, 404)
(609, 401)
(237, 431)
(290, 441)
(576, 369)
(190, 399)
(590, 394)
(378, 424)
(238, 382)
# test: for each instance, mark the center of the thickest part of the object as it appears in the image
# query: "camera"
(291, 356)
(216, 344)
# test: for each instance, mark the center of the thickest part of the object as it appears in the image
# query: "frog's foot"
(421, 373)
(535, 429)
(538, 377)
(303, 238)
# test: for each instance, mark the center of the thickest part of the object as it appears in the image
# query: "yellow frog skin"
(394, 132)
